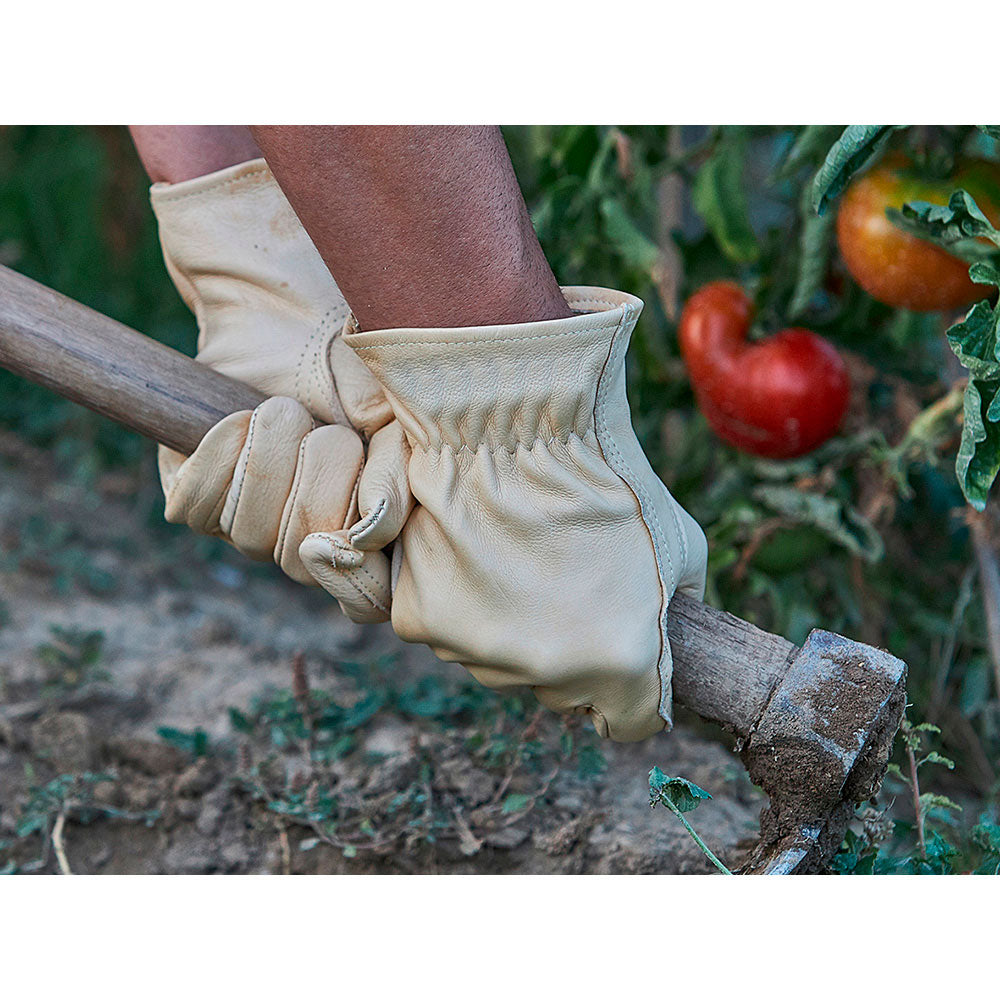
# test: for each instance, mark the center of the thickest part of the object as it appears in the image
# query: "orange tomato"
(895, 267)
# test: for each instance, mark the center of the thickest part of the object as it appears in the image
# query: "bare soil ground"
(168, 707)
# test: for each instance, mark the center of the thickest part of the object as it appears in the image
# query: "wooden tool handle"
(724, 669)
(108, 367)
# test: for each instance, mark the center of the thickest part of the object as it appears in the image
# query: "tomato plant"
(779, 397)
(893, 265)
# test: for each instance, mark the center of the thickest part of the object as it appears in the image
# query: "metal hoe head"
(820, 747)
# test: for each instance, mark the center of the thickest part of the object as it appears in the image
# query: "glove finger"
(625, 712)
(692, 580)
(323, 497)
(263, 476)
(360, 394)
(169, 463)
(384, 498)
(197, 487)
(358, 580)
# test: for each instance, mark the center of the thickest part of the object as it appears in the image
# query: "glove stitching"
(210, 188)
(628, 476)
(373, 518)
(238, 487)
(632, 481)
(498, 449)
(348, 574)
(418, 344)
(311, 356)
(592, 302)
(286, 517)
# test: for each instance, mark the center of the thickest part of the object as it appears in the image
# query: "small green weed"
(71, 658)
(681, 796)
(45, 811)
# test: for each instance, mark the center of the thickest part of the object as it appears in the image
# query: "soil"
(349, 751)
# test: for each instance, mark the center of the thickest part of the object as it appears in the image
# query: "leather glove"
(270, 315)
(543, 549)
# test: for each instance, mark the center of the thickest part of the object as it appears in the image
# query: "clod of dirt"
(148, 756)
(66, 740)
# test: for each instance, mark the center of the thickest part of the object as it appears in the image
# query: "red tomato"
(777, 398)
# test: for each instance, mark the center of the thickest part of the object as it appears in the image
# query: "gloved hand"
(543, 549)
(270, 315)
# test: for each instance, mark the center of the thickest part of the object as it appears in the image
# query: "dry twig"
(59, 844)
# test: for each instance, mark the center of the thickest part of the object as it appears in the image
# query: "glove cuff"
(231, 239)
(501, 387)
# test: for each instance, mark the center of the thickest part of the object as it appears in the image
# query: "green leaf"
(940, 853)
(978, 461)
(240, 721)
(363, 711)
(976, 344)
(935, 758)
(986, 836)
(719, 196)
(515, 802)
(634, 246)
(809, 148)
(958, 227)
(975, 341)
(931, 800)
(684, 795)
(815, 241)
(194, 742)
(897, 772)
(993, 131)
(839, 522)
(856, 147)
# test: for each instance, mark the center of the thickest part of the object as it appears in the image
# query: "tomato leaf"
(815, 242)
(719, 196)
(958, 227)
(636, 248)
(856, 148)
(976, 343)
(842, 524)
(808, 149)
(683, 794)
(978, 461)
(976, 339)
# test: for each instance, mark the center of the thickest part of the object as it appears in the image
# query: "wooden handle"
(110, 368)
(724, 668)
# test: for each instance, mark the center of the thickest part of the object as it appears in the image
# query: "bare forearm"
(175, 153)
(421, 226)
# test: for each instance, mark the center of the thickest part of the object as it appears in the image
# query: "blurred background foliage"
(868, 536)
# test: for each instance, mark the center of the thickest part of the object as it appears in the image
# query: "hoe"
(814, 724)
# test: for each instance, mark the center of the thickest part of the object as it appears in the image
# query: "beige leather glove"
(270, 314)
(543, 550)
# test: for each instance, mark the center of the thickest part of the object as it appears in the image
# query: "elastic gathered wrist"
(502, 387)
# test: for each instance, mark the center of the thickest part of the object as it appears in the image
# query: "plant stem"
(701, 843)
(989, 584)
(668, 273)
(918, 809)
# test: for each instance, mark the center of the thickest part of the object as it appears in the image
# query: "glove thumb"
(349, 564)
(384, 498)
(358, 580)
